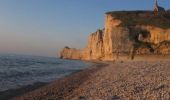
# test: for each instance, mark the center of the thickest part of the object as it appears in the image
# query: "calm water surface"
(17, 71)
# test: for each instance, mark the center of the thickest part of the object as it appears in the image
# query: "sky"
(44, 27)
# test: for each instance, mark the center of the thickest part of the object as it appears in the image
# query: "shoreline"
(120, 80)
(10, 93)
(138, 79)
(63, 86)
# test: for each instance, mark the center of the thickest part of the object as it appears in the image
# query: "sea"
(20, 70)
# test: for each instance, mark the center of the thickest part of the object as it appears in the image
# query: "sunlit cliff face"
(158, 34)
(116, 39)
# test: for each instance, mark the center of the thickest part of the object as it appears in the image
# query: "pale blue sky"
(43, 27)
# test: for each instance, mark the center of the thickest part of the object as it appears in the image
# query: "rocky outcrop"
(70, 53)
(94, 49)
(163, 48)
(157, 35)
(95, 45)
(116, 41)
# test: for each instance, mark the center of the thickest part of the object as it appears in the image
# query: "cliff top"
(133, 18)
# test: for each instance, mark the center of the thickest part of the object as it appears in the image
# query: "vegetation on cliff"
(133, 18)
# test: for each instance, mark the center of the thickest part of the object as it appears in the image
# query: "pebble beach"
(122, 80)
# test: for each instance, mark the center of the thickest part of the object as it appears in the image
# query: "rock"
(70, 53)
(157, 35)
(95, 45)
(116, 41)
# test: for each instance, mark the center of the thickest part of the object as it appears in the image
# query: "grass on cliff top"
(133, 18)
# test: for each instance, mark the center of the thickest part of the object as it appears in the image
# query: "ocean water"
(17, 71)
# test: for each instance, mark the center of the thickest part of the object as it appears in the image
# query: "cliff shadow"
(139, 42)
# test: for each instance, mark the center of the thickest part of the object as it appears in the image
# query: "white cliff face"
(114, 39)
(103, 44)
(93, 51)
(110, 24)
(95, 45)
(70, 53)
(158, 35)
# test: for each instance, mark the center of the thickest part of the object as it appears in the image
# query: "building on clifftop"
(158, 9)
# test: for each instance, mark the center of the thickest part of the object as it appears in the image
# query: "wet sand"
(122, 80)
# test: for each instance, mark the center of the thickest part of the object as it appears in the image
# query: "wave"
(16, 71)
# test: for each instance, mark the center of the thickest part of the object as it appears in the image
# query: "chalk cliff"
(124, 36)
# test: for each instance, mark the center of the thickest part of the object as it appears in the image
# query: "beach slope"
(118, 80)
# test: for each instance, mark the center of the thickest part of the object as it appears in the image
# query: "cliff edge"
(126, 34)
